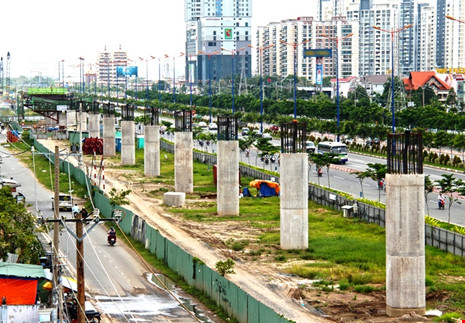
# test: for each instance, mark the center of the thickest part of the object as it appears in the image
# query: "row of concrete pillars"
(405, 248)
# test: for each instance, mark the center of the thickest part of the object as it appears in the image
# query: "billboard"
(321, 52)
(228, 33)
(319, 74)
(126, 71)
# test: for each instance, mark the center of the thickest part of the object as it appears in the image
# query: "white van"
(65, 202)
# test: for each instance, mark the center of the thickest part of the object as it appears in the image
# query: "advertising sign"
(228, 33)
(322, 52)
(62, 107)
(319, 74)
(126, 71)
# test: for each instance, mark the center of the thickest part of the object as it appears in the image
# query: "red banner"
(18, 291)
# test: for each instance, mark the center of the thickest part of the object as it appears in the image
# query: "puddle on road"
(147, 307)
(187, 302)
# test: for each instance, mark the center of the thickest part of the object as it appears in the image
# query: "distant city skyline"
(39, 35)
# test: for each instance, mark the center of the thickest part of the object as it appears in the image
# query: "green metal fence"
(236, 302)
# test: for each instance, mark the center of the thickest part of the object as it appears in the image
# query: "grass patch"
(45, 171)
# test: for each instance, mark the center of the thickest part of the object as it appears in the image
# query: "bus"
(338, 148)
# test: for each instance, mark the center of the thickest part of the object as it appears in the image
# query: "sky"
(39, 34)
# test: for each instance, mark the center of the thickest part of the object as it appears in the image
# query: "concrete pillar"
(61, 118)
(94, 125)
(152, 150)
(294, 201)
(228, 178)
(128, 143)
(71, 118)
(109, 148)
(405, 244)
(183, 162)
(83, 121)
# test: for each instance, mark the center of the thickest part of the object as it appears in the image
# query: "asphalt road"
(120, 286)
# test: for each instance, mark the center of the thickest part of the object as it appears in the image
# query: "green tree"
(323, 160)
(361, 177)
(377, 172)
(17, 229)
(429, 187)
(450, 185)
(459, 144)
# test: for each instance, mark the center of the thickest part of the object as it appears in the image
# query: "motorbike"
(320, 172)
(273, 158)
(381, 185)
(441, 204)
(247, 152)
(111, 239)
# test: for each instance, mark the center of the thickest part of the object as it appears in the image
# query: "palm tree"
(361, 176)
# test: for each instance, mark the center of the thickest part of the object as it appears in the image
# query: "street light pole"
(392, 32)
(81, 90)
(233, 52)
(260, 51)
(294, 45)
(159, 80)
(337, 78)
(189, 76)
(209, 55)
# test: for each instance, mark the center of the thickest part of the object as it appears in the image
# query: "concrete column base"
(398, 312)
(174, 198)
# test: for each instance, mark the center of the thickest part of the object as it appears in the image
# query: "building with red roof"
(417, 80)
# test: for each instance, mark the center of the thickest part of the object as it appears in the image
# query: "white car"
(212, 126)
(65, 201)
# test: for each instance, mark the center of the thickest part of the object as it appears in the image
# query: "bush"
(363, 289)
(225, 267)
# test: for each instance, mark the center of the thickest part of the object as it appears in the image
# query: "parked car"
(212, 126)
(245, 131)
(310, 147)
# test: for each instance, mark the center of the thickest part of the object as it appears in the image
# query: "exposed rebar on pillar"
(405, 226)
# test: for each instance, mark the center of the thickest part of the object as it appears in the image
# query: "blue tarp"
(266, 191)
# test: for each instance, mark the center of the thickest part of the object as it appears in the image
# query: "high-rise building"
(106, 67)
(282, 58)
(218, 33)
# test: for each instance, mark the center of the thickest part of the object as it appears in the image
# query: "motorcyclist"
(75, 209)
(441, 201)
(111, 233)
(320, 171)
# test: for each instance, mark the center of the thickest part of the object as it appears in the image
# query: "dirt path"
(265, 280)
(260, 282)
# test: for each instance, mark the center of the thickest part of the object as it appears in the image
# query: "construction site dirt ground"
(262, 278)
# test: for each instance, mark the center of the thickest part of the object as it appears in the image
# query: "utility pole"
(117, 216)
(80, 270)
(56, 237)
